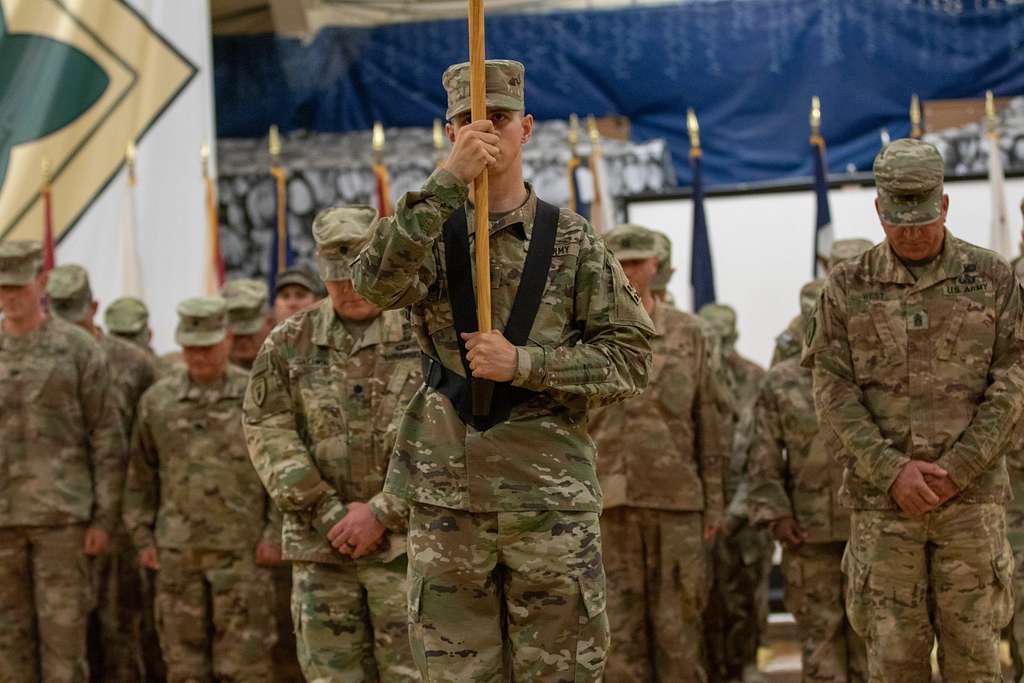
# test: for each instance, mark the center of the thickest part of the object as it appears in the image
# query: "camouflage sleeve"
(997, 414)
(396, 268)
(612, 361)
(101, 411)
(711, 439)
(738, 461)
(391, 511)
(277, 450)
(767, 499)
(837, 397)
(142, 485)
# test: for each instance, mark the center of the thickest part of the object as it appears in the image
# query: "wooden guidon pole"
(478, 110)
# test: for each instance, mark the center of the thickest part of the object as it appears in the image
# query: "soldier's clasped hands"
(913, 493)
(359, 532)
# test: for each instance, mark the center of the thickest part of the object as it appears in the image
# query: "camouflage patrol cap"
(301, 277)
(340, 233)
(664, 247)
(126, 316)
(908, 176)
(20, 261)
(68, 291)
(247, 304)
(504, 77)
(629, 242)
(202, 321)
(843, 250)
(721, 319)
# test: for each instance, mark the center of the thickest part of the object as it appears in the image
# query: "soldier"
(742, 555)
(916, 349)
(790, 342)
(504, 541)
(794, 491)
(127, 318)
(296, 289)
(197, 512)
(117, 578)
(61, 475)
(659, 284)
(660, 462)
(249, 319)
(328, 389)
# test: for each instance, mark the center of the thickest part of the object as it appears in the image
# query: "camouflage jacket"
(132, 371)
(190, 482)
(589, 345)
(925, 370)
(62, 454)
(789, 343)
(790, 472)
(321, 415)
(665, 449)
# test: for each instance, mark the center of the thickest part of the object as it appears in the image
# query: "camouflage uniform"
(737, 613)
(792, 475)
(193, 495)
(1015, 534)
(660, 462)
(789, 343)
(504, 539)
(117, 579)
(127, 318)
(321, 412)
(61, 469)
(922, 368)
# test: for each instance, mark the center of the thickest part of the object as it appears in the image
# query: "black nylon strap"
(462, 298)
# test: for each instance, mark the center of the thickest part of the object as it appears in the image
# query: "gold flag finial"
(885, 137)
(574, 132)
(129, 160)
(47, 172)
(915, 116)
(378, 137)
(693, 128)
(204, 158)
(815, 116)
(438, 136)
(592, 131)
(990, 110)
(274, 143)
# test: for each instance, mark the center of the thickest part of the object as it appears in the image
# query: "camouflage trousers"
(215, 616)
(658, 587)
(831, 651)
(350, 622)
(115, 652)
(946, 575)
(494, 595)
(737, 612)
(1015, 533)
(44, 603)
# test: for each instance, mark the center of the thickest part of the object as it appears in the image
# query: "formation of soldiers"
(313, 485)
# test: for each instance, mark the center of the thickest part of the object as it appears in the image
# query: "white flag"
(1000, 241)
(128, 251)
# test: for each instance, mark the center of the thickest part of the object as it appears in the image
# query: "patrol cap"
(202, 321)
(721, 319)
(908, 176)
(126, 316)
(629, 242)
(68, 291)
(299, 276)
(664, 274)
(20, 261)
(504, 78)
(340, 233)
(843, 250)
(247, 304)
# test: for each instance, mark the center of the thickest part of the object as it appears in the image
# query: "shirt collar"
(950, 264)
(329, 331)
(522, 217)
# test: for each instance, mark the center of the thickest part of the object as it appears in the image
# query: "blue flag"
(823, 217)
(702, 274)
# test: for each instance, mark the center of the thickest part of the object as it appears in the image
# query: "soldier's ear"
(527, 124)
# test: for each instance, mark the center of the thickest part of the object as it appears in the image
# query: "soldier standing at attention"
(794, 491)
(61, 475)
(916, 348)
(297, 288)
(660, 460)
(249, 319)
(115, 653)
(127, 318)
(323, 406)
(504, 541)
(197, 512)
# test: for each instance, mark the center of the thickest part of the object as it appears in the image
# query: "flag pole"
(49, 258)
(380, 171)
(915, 117)
(482, 391)
(214, 260)
(279, 259)
(574, 162)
